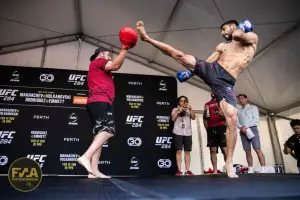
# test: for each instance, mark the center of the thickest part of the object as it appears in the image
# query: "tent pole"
(44, 54)
(274, 140)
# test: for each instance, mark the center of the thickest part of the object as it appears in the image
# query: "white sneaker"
(250, 170)
(264, 170)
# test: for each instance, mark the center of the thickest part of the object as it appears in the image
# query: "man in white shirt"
(248, 118)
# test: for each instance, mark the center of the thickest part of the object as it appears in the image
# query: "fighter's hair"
(295, 122)
(243, 95)
(178, 99)
(229, 22)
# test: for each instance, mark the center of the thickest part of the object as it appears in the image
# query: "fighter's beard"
(228, 39)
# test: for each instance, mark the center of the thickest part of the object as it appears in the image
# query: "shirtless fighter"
(219, 71)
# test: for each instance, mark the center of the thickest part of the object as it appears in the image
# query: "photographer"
(181, 116)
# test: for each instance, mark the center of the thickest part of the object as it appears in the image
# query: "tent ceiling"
(193, 28)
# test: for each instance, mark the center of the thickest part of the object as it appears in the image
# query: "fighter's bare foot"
(141, 29)
(230, 171)
(86, 164)
(100, 175)
(215, 172)
(91, 176)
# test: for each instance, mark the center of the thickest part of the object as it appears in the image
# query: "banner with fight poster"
(43, 116)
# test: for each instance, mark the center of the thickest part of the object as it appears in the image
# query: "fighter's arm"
(216, 54)
(249, 38)
(117, 63)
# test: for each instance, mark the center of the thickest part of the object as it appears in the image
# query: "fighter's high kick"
(219, 71)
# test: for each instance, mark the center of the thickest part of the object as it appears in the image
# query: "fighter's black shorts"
(102, 117)
(216, 136)
(220, 81)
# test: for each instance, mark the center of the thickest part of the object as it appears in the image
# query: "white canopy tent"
(191, 25)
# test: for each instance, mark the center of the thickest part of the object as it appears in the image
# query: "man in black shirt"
(292, 145)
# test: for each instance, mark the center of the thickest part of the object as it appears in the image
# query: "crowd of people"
(215, 125)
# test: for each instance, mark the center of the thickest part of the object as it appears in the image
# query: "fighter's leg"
(230, 113)
(188, 61)
(95, 165)
(222, 140)
(85, 159)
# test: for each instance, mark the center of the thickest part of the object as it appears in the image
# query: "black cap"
(97, 51)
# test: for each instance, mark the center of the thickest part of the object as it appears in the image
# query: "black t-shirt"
(294, 144)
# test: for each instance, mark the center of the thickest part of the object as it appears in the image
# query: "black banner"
(43, 116)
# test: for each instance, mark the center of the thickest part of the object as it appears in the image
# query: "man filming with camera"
(182, 116)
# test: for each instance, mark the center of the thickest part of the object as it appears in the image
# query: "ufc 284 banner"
(43, 116)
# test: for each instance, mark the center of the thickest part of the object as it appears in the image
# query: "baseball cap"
(97, 51)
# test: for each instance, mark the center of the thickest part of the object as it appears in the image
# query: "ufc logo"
(164, 163)
(37, 158)
(77, 77)
(6, 92)
(7, 134)
(134, 119)
(162, 140)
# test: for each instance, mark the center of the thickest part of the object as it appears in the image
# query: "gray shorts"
(255, 140)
